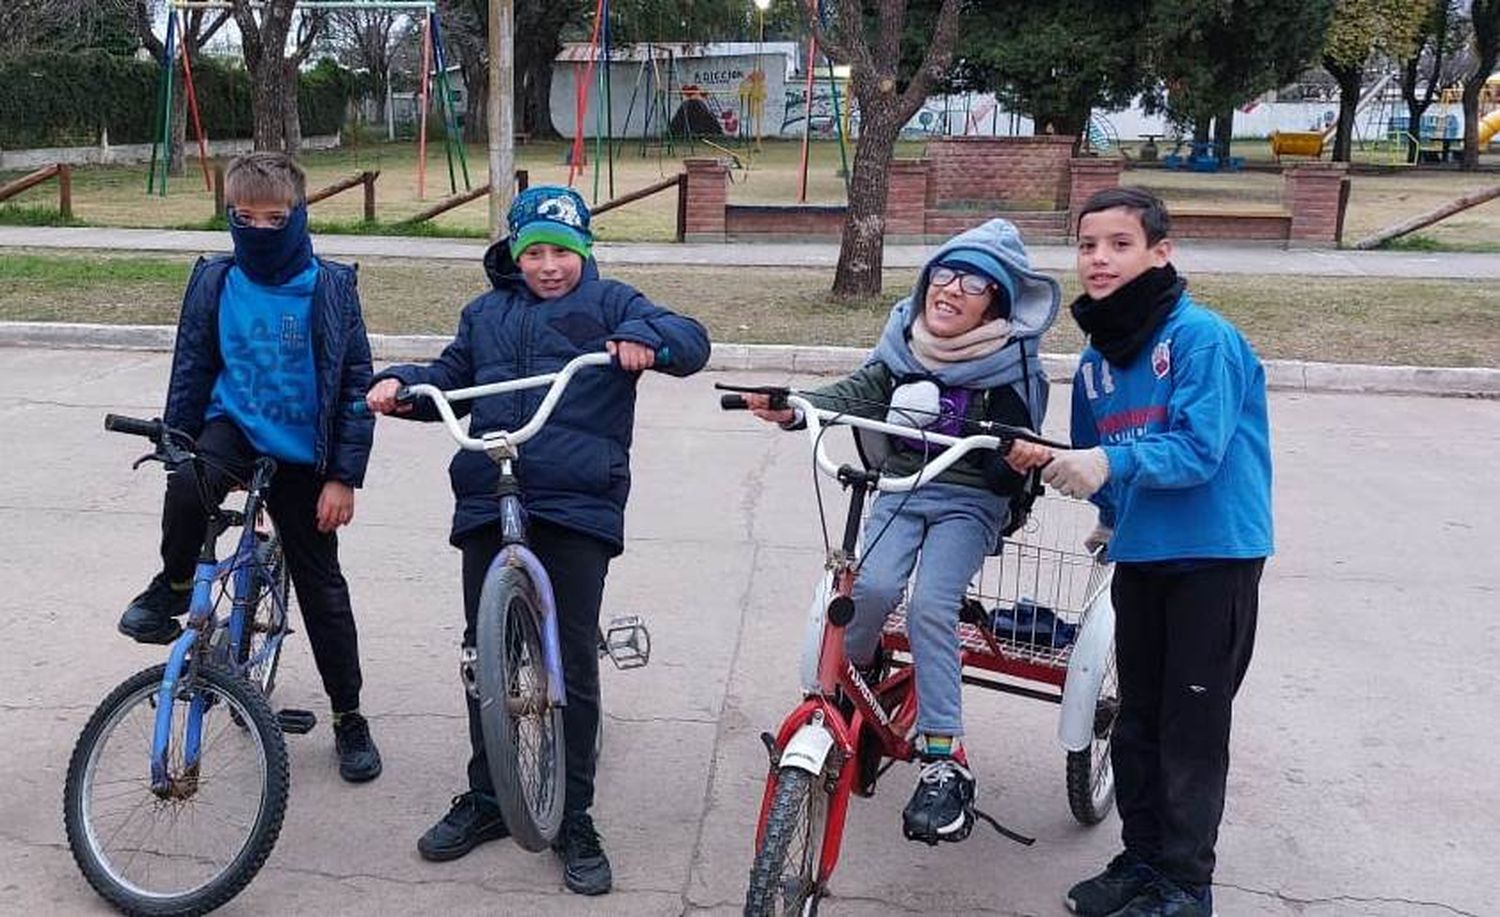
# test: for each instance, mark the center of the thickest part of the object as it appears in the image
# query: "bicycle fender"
(1086, 667)
(808, 749)
(812, 636)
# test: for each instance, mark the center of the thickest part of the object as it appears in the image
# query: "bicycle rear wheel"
(784, 877)
(269, 609)
(193, 846)
(523, 731)
(1091, 777)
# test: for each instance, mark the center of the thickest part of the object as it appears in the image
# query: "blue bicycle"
(515, 669)
(185, 829)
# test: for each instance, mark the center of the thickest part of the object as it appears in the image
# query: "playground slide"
(1489, 126)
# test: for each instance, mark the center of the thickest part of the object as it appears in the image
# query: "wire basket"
(1029, 599)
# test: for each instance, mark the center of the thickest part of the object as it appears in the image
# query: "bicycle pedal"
(627, 642)
(296, 722)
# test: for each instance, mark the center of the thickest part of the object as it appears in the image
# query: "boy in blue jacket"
(548, 305)
(1170, 441)
(270, 347)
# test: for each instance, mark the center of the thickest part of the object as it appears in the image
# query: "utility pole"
(500, 112)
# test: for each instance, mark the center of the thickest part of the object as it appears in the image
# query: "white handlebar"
(557, 381)
(956, 449)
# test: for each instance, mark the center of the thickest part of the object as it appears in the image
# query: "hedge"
(51, 99)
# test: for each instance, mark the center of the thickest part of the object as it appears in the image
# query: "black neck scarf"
(1120, 324)
(271, 257)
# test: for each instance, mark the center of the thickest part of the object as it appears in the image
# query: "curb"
(1281, 375)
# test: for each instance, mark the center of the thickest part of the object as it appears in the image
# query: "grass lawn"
(1423, 322)
(115, 195)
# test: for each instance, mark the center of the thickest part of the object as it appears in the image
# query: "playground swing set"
(434, 71)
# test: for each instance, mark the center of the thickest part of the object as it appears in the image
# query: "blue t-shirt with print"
(269, 384)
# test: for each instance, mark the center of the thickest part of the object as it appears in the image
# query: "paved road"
(1364, 753)
(1199, 257)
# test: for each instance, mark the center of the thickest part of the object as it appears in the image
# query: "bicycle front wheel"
(523, 730)
(1091, 777)
(784, 878)
(193, 844)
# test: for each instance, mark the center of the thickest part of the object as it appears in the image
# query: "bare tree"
(866, 35)
(1485, 16)
(201, 26)
(364, 39)
(265, 29)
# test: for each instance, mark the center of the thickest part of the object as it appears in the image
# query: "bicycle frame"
(240, 567)
(502, 447)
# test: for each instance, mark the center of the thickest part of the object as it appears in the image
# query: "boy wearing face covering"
(270, 347)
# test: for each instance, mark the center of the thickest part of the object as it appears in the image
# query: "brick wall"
(1311, 192)
(1087, 175)
(741, 221)
(906, 204)
(707, 196)
(1210, 224)
(1022, 173)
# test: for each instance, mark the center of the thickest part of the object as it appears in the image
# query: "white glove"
(1098, 539)
(1077, 473)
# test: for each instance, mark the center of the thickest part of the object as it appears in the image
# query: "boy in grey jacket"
(965, 343)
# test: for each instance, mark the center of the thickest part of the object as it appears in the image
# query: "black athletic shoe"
(149, 616)
(472, 820)
(1126, 876)
(585, 867)
(942, 807)
(1165, 898)
(359, 759)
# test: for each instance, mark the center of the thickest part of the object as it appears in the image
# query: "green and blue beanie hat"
(553, 215)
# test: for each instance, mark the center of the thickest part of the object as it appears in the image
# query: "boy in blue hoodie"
(270, 348)
(1171, 442)
(548, 305)
(962, 348)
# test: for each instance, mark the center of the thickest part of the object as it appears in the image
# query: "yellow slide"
(1489, 125)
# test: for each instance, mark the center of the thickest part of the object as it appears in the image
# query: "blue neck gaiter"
(271, 257)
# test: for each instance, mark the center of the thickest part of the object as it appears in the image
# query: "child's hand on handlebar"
(760, 406)
(1024, 456)
(631, 355)
(381, 398)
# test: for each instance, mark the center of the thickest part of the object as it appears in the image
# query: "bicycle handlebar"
(134, 426)
(557, 382)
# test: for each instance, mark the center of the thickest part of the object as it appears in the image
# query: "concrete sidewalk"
(1361, 751)
(1192, 256)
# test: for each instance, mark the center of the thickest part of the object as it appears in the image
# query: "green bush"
(55, 99)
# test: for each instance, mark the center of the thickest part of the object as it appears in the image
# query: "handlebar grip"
(405, 396)
(134, 426)
(733, 403)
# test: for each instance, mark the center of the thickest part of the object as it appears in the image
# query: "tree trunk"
(267, 100)
(1202, 128)
(1472, 87)
(536, 99)
(1348, 79)
(293, 112)
(1415, 108)
(1224, 131)
(176, 164)
(862, 249)
(476, 106)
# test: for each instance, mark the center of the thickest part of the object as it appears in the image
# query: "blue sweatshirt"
(1184, 427)
(269, 383)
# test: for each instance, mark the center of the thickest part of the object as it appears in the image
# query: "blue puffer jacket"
(576, 471)
(341, 353)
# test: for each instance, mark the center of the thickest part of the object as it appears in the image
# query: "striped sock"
(937, 746)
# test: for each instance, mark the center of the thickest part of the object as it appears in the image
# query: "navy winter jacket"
(576, 471)
(341, 355)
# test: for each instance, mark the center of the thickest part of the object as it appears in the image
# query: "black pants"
(312, 557)
(1183, 641)
(577, 564)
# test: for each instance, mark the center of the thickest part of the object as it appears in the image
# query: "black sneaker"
(473, 819)
(1165, 898)
(149, 616)
(1126, 876)
(359, 759)
(585, 867)
(942, 807)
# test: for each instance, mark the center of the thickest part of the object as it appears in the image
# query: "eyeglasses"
(972, 284)
(275, 219)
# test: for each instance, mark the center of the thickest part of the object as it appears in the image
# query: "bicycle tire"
(1090, 775)
(529, 777)
(800, 801)
(270, 606)
(101, 870)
